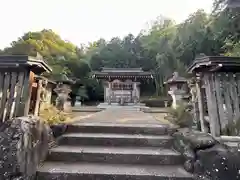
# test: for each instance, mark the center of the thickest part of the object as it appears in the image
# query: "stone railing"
(205, 157)
(24, 144)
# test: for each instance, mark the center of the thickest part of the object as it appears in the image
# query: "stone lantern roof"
(64, 79)
(176, 79)
(37, 77)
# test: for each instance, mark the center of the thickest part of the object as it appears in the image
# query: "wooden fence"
(223, 96)
(16, 79)
(217, 84)
(14, 92)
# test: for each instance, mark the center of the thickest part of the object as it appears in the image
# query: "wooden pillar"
(194, 101)
(19, 93)
(220, 100)
(27, 92)
(38, 98)
(212, 105)
(200, 104)
(12, 95)
(4, 98)
(234, 94)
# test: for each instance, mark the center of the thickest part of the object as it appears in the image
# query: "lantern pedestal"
(177, 97)
(177, 90)
(63, 102)
(63, 89)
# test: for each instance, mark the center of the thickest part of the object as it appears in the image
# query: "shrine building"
(121, 85)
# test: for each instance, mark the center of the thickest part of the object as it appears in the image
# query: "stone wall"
(207, 158)
(24, 143)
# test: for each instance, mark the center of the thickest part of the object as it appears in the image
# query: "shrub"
(181, 116)
(53, 116)
(156, 102)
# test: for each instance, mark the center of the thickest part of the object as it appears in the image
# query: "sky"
(83, 21)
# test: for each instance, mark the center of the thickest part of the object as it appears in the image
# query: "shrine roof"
(116, 70)
(215, 64)
(122, 73)
(36, 64)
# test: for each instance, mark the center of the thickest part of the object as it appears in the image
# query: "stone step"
(233, 145)
(102, 139)
(148, 129)
(93, 171)
(119, 155)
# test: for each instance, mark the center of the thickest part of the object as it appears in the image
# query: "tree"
(50, 45)
(62, 56)
(164, 47)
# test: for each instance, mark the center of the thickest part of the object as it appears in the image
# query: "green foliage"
(156, 102)
(82, 93)
(59, 54)
(51, 115)
(181, 116)
(163, 48)
(62, 56)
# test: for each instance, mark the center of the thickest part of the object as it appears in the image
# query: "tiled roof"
(215, 63)
(122, 70)
(36, 64)
(123, 73)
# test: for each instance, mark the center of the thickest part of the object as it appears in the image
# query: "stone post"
(109, 93)
(135, 95)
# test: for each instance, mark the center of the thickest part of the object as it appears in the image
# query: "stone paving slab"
(86, 109)
(121, 116)
(116, 150)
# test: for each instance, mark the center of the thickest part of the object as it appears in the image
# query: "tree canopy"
(163, 48)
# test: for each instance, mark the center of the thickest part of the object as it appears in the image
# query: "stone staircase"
(114, 152)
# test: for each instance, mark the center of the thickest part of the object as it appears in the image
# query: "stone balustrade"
(205, 157)
(24, 144)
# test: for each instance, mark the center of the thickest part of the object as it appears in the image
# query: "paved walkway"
(118, 116)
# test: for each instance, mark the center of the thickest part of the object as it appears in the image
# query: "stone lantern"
(63, 89)
(177, 89)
